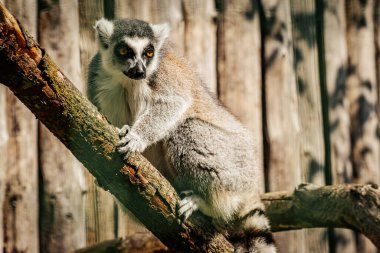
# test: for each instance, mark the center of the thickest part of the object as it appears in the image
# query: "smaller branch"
(308, 206)
(350, 206)
(140, 242)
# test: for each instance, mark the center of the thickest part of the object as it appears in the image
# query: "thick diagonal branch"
(29, 72)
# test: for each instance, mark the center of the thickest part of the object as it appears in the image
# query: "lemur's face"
(130, 47)
(133, 55)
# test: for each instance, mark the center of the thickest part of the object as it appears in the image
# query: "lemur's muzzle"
(137, 72)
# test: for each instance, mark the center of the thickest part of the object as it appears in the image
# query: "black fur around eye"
(124, 51)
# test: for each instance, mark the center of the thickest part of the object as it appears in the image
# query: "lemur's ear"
(104, 30)
(161, 33)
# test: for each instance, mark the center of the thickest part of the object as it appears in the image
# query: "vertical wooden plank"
(281, 110)
(362, 90)
(4, 137)
(377, 53)
(21, 200)
(280, 83)
(363, 99)
(62, 191)
(336, 60)
(170, 11)
(133, 9)
(310, 108)
(200, 38)
(377, 45)
(89, 12)
(105, 215)
(336, 69)
(239, 65)
(100, 205)
(309, 98)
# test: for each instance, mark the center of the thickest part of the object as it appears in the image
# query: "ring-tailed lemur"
(162, 109)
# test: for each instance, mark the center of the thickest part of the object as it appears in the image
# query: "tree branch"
(351, 206)
(131, 244)
(341, 206)
(30, 73)
(37, 82)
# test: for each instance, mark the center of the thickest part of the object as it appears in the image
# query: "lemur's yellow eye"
(149, 53)
(122, 51)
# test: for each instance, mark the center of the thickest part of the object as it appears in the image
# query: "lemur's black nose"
(135, 73)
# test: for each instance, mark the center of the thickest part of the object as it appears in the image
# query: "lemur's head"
(130, 47)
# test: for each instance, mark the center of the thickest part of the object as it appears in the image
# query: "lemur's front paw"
(129, 141)
(187, 205)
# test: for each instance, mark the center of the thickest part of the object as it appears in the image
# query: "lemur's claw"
(123, 131)
(187, 205)
(129, 141)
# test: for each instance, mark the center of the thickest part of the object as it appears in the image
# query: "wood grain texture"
(200, 39)
(239, 65)
(36, 80)
(89, 12)
(281, 104)
(336, 69)
(4, 137)
(336, 60)
(62, 178)
(306, 68)
(20, 205)
(362, 93)
(377, 48)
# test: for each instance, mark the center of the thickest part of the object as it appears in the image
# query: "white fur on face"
(137, 44)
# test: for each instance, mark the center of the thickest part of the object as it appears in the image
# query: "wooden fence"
(303, 76)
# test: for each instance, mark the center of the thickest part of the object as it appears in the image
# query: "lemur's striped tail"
(255, 235)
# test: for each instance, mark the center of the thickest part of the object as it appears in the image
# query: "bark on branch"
(29, 72)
